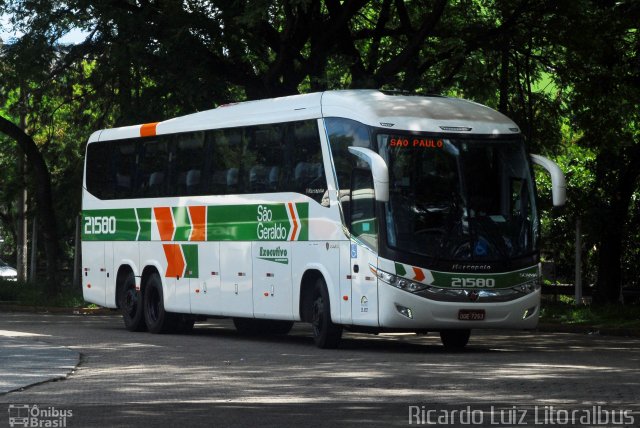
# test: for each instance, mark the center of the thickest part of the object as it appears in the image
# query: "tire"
(255, 327)
(455, 340)
(157, 319)
(326, 334)
(131, 305)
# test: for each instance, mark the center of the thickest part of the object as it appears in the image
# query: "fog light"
(529, 312)
(407, 312)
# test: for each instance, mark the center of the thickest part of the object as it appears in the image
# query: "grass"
(566, 312)
(27, 294)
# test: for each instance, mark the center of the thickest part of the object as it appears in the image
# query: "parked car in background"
(7, 272)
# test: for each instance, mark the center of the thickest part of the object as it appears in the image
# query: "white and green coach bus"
(361, 210)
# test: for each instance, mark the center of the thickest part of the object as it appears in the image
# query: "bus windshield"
(466, 199)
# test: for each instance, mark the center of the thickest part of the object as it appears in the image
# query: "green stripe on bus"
(182, 224)
(144, 216)
(260, 222)
(500, 280)
(190, 252)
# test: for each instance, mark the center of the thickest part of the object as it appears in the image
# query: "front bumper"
(428, 314)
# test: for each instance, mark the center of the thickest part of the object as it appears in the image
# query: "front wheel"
(326, 334)
(455, 340)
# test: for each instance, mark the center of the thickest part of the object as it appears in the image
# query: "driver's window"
(364, 224)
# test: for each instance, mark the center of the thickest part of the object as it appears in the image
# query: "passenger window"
(264, 155)
(125, 158)
(100, 180)
(227, 151)
(308, 176)
(190, 163)
(153, 168)
(344, 133)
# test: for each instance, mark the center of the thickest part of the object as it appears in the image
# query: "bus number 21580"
(99, 225)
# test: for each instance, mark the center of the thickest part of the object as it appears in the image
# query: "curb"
(57, 310)
(588, 329)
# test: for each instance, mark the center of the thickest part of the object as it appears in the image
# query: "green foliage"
(607, 316)
(26, 294)
(566, 71)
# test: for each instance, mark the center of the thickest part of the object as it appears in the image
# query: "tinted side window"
(152, 178)
(226, 153)
(190, 164)
(125, 158)
(283, 157)
(307, 174)
(342, 134)
(99, 177)
(264, 158)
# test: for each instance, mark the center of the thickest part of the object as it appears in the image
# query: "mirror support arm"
(558, 184)
(379, 170)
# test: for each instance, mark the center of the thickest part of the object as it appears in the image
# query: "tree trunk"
(614, 219)
(44, 199)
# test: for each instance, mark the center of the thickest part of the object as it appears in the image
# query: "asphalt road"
(215, 377)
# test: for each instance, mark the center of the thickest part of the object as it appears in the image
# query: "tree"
(567, 73)
(43, 194)
(601, 65)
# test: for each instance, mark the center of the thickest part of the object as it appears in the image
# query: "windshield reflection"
(459, 199)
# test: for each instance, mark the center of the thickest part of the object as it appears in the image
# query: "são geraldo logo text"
(269, 230)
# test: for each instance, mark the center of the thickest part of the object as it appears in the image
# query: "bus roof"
(372, 107)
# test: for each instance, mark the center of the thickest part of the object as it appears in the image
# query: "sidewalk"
(26, 361)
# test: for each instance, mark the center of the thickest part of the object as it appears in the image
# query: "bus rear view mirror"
(379, 171)
(558, 184)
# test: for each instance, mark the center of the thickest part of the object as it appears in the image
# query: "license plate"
(471, 314)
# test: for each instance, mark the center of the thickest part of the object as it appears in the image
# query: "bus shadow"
(301, 335)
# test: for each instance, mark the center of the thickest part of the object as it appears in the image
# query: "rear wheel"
(326, 334)
(157, 319)
(455, 340)
(130, 303)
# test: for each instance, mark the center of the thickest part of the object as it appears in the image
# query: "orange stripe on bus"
(295, 221)
(148, 129)
(198, 223)
(175, 260)
(164, 220)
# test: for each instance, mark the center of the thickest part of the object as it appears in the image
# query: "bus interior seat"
(306, 174)
(274, 178)
(232, 179)
(258, 178)
(156, 180)
(218, 182)
(123, 181)
(193, 181)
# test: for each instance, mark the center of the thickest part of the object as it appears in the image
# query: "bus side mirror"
(379, 171)
(558, 184)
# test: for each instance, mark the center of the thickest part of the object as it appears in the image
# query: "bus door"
(364, 244)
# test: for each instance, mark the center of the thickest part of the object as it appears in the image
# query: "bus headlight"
(528, 287)
(399, 282)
